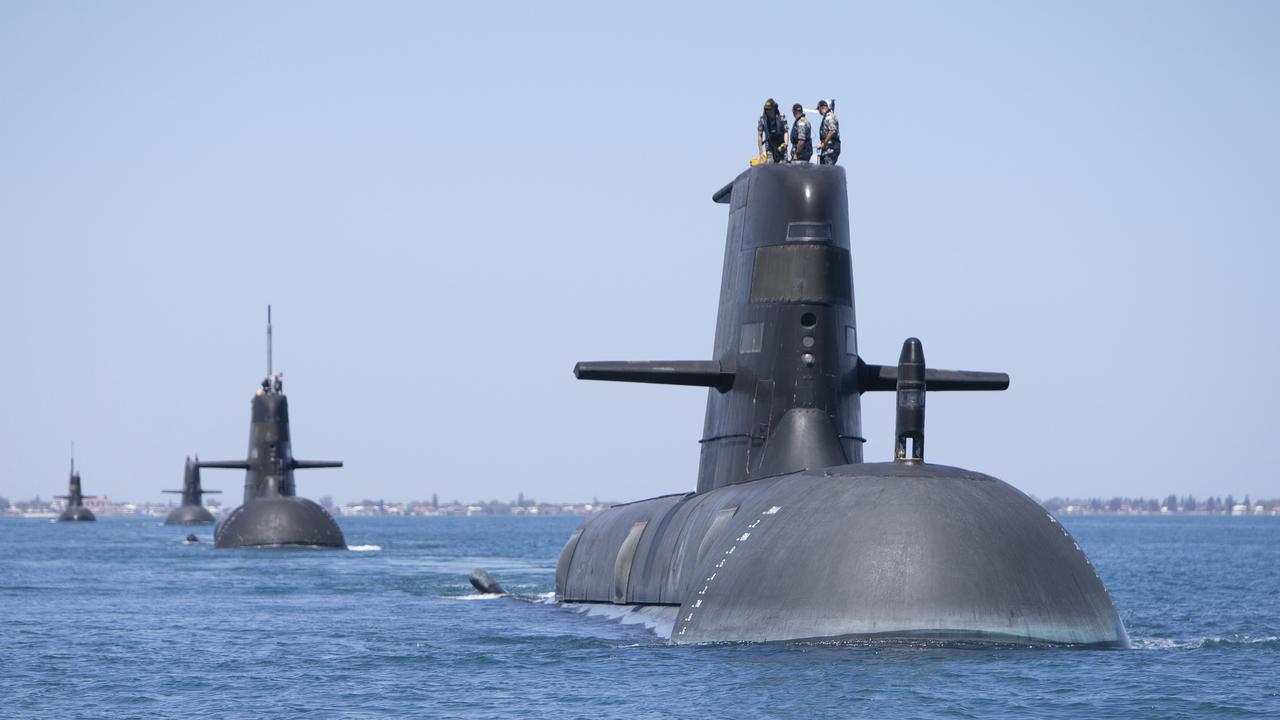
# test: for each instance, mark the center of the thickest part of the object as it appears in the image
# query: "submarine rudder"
(910, 398)
(482, 581)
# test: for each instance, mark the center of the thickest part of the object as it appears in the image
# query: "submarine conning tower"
(785, 377)
(786, 326)
(271, 464)
(272, 514)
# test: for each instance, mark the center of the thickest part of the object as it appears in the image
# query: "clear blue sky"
(449, 204)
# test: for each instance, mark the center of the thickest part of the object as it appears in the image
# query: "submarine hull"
(189, 515)
(77, 513)
(865, 551)
(279, 521)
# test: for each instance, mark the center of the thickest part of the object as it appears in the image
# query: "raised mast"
(269, 364)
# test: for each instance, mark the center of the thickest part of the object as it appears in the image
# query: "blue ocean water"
(120, 619)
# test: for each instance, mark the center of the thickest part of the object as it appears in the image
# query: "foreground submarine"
(272, 514)
(192, 510)
(790, 536)
(75, 510)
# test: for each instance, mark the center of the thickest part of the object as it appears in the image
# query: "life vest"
(773, 128)
(795, 130)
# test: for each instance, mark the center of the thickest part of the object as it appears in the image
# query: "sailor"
(771, 134)
(828, 134)
(801, 136)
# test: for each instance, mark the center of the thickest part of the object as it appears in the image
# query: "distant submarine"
(790, 536)
(272, 514)
(192, 510)
(75, 511)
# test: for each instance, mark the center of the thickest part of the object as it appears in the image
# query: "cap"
(822, 103)
(797, 107)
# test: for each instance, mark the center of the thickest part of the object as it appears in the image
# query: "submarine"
(192, 510)
(272, 514)
(75, 510)
(789, 535)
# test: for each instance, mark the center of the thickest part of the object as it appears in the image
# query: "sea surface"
(120, 619)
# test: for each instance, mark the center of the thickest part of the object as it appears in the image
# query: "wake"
(1270, 642)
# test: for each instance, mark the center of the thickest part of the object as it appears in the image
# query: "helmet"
(770, 104)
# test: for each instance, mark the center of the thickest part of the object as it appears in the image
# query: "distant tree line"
(1170, 503)
(486, 507)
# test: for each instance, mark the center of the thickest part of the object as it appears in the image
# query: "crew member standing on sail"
(771, 133)
(801, 136)
(828, 133)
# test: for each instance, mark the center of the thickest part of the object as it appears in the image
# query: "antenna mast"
(73, 457)
(268, 341)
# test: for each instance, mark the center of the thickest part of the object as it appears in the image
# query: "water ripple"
(121, 620)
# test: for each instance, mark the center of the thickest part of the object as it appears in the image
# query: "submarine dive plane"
(75, 511)
(272, 513)
(790, 535)
(192, 510)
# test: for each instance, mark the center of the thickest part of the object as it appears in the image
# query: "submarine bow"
(789, 534)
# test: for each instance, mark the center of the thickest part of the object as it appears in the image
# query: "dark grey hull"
(77, 513)
(910, 552)
(189, 515)
(279, 521)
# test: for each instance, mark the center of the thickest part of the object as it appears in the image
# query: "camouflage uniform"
(828, 154)
(773, 153)
(801, 140)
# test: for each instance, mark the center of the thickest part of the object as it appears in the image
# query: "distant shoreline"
(105, 507)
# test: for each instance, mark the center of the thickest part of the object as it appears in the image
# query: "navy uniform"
(801, 138)
(830, 151)
(772, 133)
